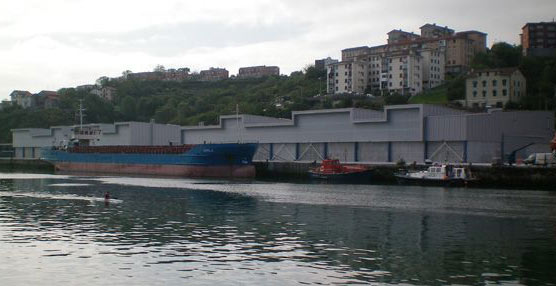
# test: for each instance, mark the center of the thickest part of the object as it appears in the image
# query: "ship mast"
(81, 109)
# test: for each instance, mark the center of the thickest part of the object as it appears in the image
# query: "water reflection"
(161, 231)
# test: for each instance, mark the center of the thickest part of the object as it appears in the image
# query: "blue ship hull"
(203, 160)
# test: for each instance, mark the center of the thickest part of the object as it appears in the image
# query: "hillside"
(184, 103)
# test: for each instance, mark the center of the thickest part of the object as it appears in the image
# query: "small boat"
(332, 169)
(445, 175)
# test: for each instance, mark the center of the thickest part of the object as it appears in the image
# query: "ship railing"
(132, 149)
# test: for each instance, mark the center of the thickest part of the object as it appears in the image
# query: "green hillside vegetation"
(186, 102)
(452, 89)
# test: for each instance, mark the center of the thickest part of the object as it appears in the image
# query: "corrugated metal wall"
(284, 152)
(482, 152)
(263, 153)
(403, 124)
(408, 151)
(373, 152)
(446, 128)
(122, 136)
(450, 151)
(311, 152)
(345, 152)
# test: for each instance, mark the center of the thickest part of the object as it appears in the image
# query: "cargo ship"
(232, 160)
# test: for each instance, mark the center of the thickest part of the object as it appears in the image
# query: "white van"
(542, 159)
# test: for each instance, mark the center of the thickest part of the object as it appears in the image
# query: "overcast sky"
(47, 45)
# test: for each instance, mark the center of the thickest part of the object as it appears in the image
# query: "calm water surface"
(59, 230)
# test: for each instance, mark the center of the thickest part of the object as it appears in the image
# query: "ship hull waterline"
(192, 171)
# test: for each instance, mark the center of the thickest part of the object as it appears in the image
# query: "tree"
(102, 81)
(127, 108)
(126, 73)
(159, 68)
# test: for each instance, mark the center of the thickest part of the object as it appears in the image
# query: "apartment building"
(214, 74)
(47, 99)
(23, 98)
(167, 75)
(347, 77)
(398, 36)
(107, 92)
(539, 39)
(43, 99)
(439, 50)
(461, 48)
(433, 31)
(404, 72)
(433, 67)
(494, 87)
(258, 71)
(323, 63)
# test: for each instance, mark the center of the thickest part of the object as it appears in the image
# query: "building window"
(484, 93)
(484, 83)
(390, 84)
(474, 93)
(494, 82)
(504, 82)
(494, 93)
(475, 84)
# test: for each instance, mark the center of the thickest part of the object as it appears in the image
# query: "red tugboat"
(332, 169)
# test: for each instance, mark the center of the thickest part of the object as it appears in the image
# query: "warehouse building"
(401, 132)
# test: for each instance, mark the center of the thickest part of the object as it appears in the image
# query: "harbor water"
(59, 230)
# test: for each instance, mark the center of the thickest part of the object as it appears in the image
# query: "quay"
(490, 177)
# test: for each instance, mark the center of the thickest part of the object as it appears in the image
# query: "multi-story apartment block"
(461, 48)
(433, 31)
(323, 63)
(436, 52)
(494, 87)
(433, 67)
(213, 74)
(539, 39)
(397, 36)
(403, 72)
(347, 77)
(258, 71)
